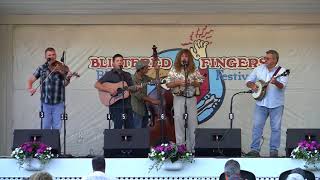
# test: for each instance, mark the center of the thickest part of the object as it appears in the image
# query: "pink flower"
(168, 148)
(309, 145)
(182, 148)
(29, 149)
(40, 151)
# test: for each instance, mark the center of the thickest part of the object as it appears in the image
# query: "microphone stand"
(231, 118)
(64, 116)
(231, 114)
(124, 117)
(185, 115)
(41, 113)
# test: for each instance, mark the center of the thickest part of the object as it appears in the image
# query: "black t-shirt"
(115, 76)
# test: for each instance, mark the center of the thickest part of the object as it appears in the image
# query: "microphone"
(48, 59)
(62, 57)
(185, 63)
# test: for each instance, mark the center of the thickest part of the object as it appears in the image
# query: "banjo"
(262, 86)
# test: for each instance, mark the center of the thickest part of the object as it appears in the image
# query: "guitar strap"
(276, 72)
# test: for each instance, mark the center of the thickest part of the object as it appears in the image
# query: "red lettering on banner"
(242, 62)
(204, 63)
(125, 62)
(101, 62)
(253, 62)
(166, 63)
(94, 62)
(220, 63)
(231, 62)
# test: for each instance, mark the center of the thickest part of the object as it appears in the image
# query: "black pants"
(117, 118)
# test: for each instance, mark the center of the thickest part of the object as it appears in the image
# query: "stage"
(133, 168)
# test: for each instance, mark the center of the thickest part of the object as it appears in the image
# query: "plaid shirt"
(52, 89)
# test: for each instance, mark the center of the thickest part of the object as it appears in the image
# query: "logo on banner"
(216, 70)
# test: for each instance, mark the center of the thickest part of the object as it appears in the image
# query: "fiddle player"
(52, 89)
(176, 80)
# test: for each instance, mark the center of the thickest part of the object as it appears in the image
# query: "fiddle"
(61, 68)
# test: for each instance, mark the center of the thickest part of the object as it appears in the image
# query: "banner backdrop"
(225, 56)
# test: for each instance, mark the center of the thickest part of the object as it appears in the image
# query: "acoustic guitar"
(122, 87)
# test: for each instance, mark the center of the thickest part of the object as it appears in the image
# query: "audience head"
(98, 164)
(41, 176)
(296, 174)
(298, 171)
(232, 170)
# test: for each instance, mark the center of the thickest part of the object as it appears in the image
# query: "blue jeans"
(52, 116)
(260, 116)
(140, 121)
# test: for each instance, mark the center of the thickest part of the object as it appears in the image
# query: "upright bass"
(162, 123)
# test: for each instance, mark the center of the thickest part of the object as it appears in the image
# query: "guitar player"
(122, 106)
(271, 105)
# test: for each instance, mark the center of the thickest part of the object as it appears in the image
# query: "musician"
(123, 105)
(176, 81)
(271, 105)
(140, 98)
(52, 90)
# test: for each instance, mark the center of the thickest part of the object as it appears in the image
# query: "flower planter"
(32, 156)
(169, 166)
(309, 152)
(33, 164)
(164, 153)
(312, 166)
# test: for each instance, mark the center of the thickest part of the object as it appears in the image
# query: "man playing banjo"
(269, 104)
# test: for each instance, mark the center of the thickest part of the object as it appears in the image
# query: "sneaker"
(253, 153)
(274, 153)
